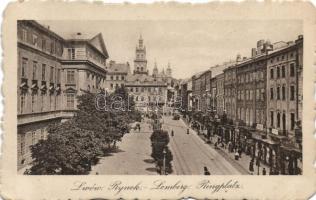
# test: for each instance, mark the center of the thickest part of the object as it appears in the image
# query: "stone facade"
(284, 87)
(51, 72)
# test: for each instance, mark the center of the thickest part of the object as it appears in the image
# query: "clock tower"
(140, 62)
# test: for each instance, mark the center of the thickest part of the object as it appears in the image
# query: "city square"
(236, 116)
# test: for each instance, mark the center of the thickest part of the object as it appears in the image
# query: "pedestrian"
(206, 172)
(239, 152)
(264, 172)
(251, 169)
(215, 145)
(188, 131)
(236, 155)
(172, 133)
(97, 173)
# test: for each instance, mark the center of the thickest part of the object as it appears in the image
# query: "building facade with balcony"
(51, 72)
(40, 99)
(284, 102)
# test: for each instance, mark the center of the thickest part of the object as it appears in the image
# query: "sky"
(189, 46)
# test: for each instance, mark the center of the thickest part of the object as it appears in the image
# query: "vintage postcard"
(158, 101)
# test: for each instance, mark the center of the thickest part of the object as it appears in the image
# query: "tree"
(67, 150)
(160, 140)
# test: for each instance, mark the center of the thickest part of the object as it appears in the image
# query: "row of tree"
(160, 151)
(74, 146)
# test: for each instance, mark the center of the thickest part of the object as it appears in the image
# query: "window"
(24, 35)
(142, 98)
(283, 71)
(136, 89)
(278, 120)
(292, 121)
(132, 89)
(292, 93)
(278, 72)
(271, 118)
(258, 94)
(111, 85)
(51, 74)
(278, 93)
(22, 145)
(34, 39)
(43, 72)
(116, 86)
(42, 134)
(262, 94)
(33, 102)
(58, 75)
(70, 101)
(292, 69)
(70, 76)
(112, 78)
(71, 54)
(34, 70)
(24, 67)
(33, 137)
(22, 103)
(44, 44)
(117, 78)
(123, 78)
(283, 121)
(142, 89)
(283, 92)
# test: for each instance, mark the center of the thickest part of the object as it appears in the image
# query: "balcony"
(43, 87)
(58, 89)
(24, 86)
(51, 88)
(34, 86)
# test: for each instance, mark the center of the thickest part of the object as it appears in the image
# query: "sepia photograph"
(159, 97)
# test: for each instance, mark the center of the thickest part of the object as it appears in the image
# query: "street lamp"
(164, 160)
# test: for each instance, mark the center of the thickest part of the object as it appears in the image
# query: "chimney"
(253, 52)
(244, 58)
(238, 58)
(78, 33)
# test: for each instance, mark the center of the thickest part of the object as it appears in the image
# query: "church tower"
(140, 62)
(155, 70)
(169, 70)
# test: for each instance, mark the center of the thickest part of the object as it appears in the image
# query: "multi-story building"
(251, 90)
(230, 90)
(51, 72)
(117, 75)
(220, 100)
(40, 97)
(84, 66)
(213, 94)
(146, 90)
(284, 101)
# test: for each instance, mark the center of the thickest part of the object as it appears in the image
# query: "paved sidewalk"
(242, 163)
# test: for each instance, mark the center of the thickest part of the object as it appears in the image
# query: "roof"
(118, 68)
(141, 79)
(96, 42)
